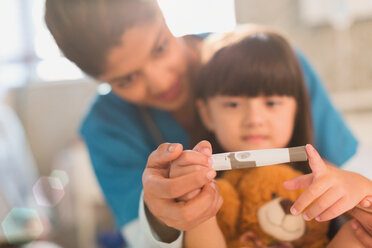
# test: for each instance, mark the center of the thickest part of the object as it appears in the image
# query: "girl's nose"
(253, 115)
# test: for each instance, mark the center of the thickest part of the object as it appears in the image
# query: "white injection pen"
(255, 158)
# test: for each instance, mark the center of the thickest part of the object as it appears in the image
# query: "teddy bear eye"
(274, 195)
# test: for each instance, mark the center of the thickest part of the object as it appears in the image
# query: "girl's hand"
(330, 191)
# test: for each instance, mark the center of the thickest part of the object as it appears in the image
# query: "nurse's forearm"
(165, 233)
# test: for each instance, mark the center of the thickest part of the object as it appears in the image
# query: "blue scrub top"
(119, 142)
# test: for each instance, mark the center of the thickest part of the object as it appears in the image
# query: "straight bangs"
(260, 64)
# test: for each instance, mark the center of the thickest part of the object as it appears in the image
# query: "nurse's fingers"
(201, 208)
(187, 215)
(366, 202)
(361, 234)
(163, 155)
(172, 188)
(364, 218)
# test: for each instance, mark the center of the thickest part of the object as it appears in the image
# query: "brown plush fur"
(245, 191)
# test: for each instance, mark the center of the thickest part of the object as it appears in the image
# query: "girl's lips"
(172, 93)
(254, 138)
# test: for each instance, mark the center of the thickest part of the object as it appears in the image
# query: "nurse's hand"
(161, 192)
(367, 203)
(362, 225)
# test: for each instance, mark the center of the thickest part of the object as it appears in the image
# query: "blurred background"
(44, 97)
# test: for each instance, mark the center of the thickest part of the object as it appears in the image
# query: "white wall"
(341, 57)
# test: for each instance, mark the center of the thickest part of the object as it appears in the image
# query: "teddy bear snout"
(286, 205)
(276, 220)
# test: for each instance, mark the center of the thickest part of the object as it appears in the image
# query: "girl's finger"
(204, 147)
(190, 157)
(194, 193)
(299, 182)
(316, 163)
(308, 196)
(176, 171)
(340, 207)
(322, 204)
(189, 196)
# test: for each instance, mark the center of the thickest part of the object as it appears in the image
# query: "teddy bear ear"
(228, 215)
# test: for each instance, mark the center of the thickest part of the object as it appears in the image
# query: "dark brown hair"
(86, 30)
(261, 62)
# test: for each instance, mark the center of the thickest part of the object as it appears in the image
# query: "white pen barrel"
(254, 158)
(221, 162)
(270, 156)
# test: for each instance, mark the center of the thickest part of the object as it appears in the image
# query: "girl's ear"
(205, 115)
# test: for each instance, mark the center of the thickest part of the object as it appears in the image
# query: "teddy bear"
(256, 210)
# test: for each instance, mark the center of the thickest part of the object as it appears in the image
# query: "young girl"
(251, 95)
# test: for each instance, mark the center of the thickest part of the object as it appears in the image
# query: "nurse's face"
(149, 67)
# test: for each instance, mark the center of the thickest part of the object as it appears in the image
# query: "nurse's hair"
(86, 30)
(253, 61)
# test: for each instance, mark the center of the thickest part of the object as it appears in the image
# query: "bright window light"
(11, 30)
(58, 69)
(198, 16)
(45, 47)
(27, 41)
(339, 13)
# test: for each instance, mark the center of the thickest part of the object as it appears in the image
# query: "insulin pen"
(255, 158)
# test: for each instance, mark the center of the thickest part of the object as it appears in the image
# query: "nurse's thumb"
(164, 154)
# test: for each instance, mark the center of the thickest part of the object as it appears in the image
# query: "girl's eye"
(272, 103)
(231, 104)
